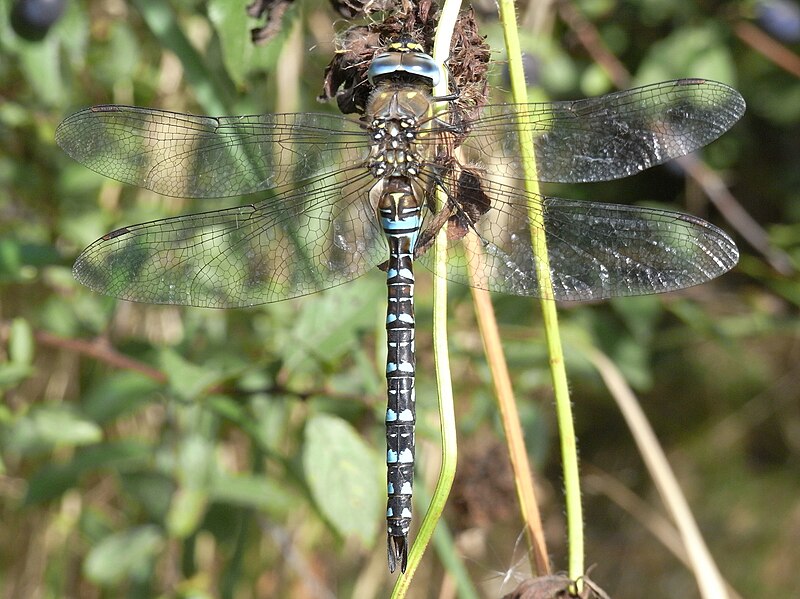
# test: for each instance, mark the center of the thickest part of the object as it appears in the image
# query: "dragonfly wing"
(184, 155)
(595, 250)
(609, 137)
(312, 237)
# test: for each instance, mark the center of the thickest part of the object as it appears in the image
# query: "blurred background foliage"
(177, 452)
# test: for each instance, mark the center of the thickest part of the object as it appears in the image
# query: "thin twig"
(100, 349)
(650, 519)
(724, 201)
(523, 473)
(706, 573)
(768, 47)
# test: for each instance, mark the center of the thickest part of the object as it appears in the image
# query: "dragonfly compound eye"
(406, 66)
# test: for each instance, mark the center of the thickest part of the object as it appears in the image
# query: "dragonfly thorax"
(396, 112)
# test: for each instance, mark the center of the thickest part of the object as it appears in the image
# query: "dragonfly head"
(404, 60)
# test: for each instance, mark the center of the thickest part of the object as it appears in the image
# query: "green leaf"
(239, 53)
(213, 94)
(41, 65)
(119, 58)
(186, 380)
(53, 479)
(697, 51)
(50, 426)
(118, 394)
(124, 554)
(186, 512)
(152, 490)
(231, 22)
(226, 407)
(10, 259)
(344, 476)
(252, 491)
(270, 422)
(329, 325)
(12, 374)
(196, 462)
(640, 314)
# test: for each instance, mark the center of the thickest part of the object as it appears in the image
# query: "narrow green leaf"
(152, 490)
(40, 64)
(231, 22)
(214, 95)
(10, 259)
(196, 461)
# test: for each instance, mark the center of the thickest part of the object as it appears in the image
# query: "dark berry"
(32, 19)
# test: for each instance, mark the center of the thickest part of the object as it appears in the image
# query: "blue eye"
(416, 64)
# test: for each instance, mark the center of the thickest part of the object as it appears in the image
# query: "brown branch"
(715, 189)
(504, 392)
(591, 40)
(768, 47)
(100, 349)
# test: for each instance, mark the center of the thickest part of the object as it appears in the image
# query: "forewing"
(309, 238)
(184, 155)
(604, 138)
(595, 250)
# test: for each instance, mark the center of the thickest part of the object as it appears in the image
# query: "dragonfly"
(328, 198)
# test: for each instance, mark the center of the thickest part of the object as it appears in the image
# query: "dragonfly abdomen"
(399, 213)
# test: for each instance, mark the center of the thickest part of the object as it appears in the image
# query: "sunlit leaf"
(186, 512)
(344, 476)
(130, 553)
(187, 380)
(328, 328)
(51, 425)
(252, 491)
(11, 374)
(695, 51)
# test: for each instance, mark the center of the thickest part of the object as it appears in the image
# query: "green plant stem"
(569, 449)
(441, 51)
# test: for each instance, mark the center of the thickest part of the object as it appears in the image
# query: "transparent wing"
(595, 250)
(184, 155)
(609, 137)
(309, 238)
